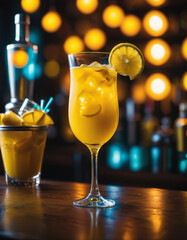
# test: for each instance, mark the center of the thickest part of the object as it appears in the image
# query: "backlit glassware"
(93, 111)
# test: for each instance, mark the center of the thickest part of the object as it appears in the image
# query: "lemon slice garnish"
(127, 60)
(45, 120)
(11, 119)
(36, 117)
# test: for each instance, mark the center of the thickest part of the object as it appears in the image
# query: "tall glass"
(93, 111)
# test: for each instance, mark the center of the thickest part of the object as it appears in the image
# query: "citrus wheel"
(36, 117)
(127, 60)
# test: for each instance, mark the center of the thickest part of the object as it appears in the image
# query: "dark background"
(65, 158)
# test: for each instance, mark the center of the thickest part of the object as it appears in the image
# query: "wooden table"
(47, 213)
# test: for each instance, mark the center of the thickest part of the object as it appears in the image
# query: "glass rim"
(23, 128)
(89, 52)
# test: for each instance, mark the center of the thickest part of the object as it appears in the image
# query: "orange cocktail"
(22, 141)
(93, 104)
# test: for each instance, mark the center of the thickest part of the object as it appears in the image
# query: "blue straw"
(47, 110)
(48, 103)
(42, 104)
(36, 106)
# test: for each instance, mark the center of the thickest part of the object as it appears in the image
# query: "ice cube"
(95, 64)
(107, 75)
(83, 65)
(89, 106)
(93, 82)
(28, 105)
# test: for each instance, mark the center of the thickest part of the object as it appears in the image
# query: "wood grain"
(47, 213)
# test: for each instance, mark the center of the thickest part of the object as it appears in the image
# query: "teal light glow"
(35, 36)
(138, 158)
(182, 165)
(117, 156)
(156, 155)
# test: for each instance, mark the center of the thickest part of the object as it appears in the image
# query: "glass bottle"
(22, 56)
(181, 138)
(162, 150)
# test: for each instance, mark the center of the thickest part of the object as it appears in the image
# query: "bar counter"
(47, 212)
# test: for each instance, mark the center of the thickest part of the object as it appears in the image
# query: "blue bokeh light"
(117, 156)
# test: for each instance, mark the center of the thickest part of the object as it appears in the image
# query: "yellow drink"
(93, 103)
(22, 152)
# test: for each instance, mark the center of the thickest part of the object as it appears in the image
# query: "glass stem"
(94, 191)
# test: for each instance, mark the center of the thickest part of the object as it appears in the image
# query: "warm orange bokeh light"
(51, 21)
(73, 44)
(131, 25)
(138, 93)
(20, 58)
(184, 48)
(184, 81)
(155, 23)
(87, 6)
(30, 6)
(95, 39)
(157, 86)
(156, 3)
(113, 16)
(52, 69)
(157, 51)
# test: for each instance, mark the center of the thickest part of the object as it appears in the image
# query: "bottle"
(181, 138)
(137, 155)
(149, 124)
(22, 56)
(132, 124)
(162, 150)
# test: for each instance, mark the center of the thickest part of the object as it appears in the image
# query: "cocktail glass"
(22, 149)
(93, 111)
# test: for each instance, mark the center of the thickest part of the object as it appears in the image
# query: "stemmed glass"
(93, 111)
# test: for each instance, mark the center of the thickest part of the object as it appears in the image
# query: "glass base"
(30, 182)
(94, 202)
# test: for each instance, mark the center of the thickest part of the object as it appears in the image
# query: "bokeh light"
(51, 21)
(131, 25)
(113, 16)
(138, 93)
(155, 23)
(73, 44)
(95, 39)
(20, 58)
(116, 156)
(51, 69)
(156, 3)
(30, 6)
(87, 6)
(157, 51)
(184, 48)
(157, 86)
(184, 81)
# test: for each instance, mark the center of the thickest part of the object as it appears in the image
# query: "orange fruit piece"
(10, 119)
